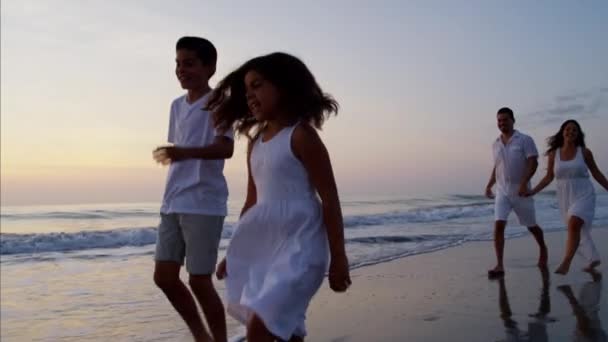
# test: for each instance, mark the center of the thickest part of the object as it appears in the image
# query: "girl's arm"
(311, 151)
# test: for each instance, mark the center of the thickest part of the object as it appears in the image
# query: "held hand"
(523, 190)
(489, 193)
(339, 277)
(220, 272)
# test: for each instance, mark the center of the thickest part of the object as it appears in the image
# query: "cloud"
(576, 105)
(572, 97)
(567, 109)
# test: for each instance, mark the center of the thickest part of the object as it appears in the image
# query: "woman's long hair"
(556, 141)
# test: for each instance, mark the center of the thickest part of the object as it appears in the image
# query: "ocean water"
(84, 272)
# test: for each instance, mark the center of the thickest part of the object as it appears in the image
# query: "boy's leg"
(202, 234)
(169, 257)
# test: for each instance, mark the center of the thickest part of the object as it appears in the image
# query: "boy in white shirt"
(194, 202)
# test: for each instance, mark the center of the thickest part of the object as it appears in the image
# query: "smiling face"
(191, 73)
(571, 133)
(504, 123)
(262, 96)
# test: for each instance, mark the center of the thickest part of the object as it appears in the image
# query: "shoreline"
(446, 295)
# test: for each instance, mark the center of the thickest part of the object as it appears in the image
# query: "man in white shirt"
(194, 202)
(515, 161)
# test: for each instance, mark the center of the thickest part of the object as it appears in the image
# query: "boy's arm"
(221, 148)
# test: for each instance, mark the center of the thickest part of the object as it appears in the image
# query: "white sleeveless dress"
(576, 197)
(278, 255)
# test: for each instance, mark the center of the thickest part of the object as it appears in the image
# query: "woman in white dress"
(569, 162)
(291, 222)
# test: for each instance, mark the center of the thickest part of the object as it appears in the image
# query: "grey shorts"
(191, 236)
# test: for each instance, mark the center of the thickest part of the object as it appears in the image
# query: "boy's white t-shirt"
(194, 186)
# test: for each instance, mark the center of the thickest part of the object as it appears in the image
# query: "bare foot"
(496, 272)
(563, 269)
(592, 266)
(542, 260)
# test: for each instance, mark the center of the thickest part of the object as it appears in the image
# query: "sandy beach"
(447, 296)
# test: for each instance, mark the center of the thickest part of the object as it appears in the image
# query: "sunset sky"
(86, 87)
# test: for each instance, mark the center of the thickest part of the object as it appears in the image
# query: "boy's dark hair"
(299, 93)
(506, 110)
(204, 49)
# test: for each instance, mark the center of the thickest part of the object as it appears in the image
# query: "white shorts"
(522, 206)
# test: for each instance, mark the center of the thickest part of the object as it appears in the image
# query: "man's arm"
(531, 166)
(491, 182)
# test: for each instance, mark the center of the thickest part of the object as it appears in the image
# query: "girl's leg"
(575, 224)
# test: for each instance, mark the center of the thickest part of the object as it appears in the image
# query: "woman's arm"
(595, 171)
(548, 177)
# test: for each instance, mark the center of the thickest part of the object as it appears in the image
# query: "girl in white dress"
(291, 221)
(569, 163)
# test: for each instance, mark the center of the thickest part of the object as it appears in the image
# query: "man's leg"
(537, 232)
(502, 209)
(499, 246)
(526, 213)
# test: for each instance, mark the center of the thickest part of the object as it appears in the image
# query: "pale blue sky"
(86, 86)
